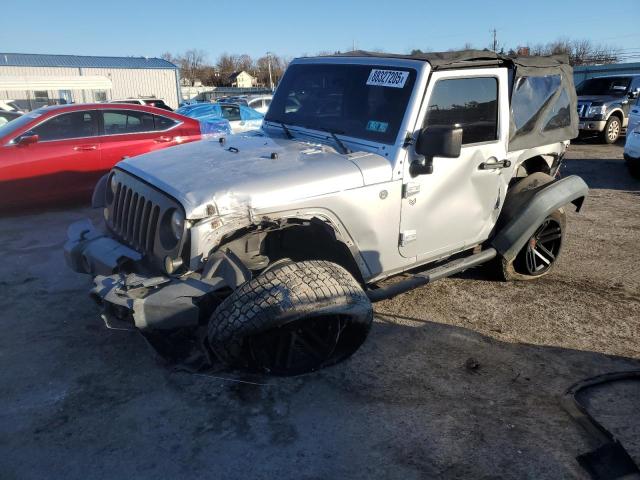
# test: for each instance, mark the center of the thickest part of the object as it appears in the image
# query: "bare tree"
(226, 65)
(191, 63)
(244, 62)
(580, 52)
(168, 56)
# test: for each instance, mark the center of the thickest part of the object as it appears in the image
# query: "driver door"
(456, 206)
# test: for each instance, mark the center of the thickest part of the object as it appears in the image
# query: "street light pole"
(269, 63)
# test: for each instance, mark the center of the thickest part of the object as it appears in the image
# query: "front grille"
(582, 109)
(135, 218)
(136, 211)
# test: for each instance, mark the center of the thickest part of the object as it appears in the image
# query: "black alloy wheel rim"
(543, 247)
(297, 347)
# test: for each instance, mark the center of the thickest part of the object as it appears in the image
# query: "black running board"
(423, 278)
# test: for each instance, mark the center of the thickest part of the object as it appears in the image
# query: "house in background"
(242, 80)
(34, 80)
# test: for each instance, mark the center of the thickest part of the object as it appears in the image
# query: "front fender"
(522, 224)
(617, 110)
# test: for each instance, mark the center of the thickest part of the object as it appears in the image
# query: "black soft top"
(468, 59)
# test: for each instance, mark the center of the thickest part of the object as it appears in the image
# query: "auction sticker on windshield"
(387, 78)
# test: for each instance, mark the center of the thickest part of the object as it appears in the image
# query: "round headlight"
(177, 224)
(113, 184)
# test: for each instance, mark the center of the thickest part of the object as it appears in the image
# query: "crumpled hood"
(241, 173)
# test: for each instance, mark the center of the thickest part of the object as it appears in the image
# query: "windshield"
(361, 101)
(14, 125)
(604, 86)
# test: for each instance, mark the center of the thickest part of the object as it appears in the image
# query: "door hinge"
(410, 189)
(407, 237)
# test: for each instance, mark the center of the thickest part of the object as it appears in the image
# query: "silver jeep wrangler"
(267, 248)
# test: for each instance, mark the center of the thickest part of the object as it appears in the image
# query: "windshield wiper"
(340, 143)
(287, 132)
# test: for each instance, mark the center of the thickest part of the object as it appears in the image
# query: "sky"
(297, 28)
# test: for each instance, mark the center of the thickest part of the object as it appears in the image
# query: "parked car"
(632, 151)
(58, 153)
(604, 103)
(240, 117)
(260, 103)
(6, 117)
(151, 102)
(269, 247)
(10, 106)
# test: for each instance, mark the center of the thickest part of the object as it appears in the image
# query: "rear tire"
(612, 130)
(294, 318)
(539, 255)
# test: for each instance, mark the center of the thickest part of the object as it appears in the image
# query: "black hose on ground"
(610, 461)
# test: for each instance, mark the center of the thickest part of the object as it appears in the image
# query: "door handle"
(164, 139)
(84, 148)
(494, 165)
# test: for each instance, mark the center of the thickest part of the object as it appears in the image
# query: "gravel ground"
(80, 401)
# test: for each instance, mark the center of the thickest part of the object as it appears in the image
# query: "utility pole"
(495, 40)
(353, 45)
(269, 63)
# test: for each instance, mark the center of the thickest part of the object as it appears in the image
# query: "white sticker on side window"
(387, 78)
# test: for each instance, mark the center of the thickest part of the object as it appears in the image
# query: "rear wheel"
(540, 253)
(612, 130)
(294, 318)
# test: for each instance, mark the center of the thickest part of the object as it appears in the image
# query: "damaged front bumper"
(132, 297)
(157, 303)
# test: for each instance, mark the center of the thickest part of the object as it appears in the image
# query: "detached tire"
(612, 130)
(292, 319)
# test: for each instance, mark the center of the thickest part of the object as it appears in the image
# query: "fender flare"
(510, 239)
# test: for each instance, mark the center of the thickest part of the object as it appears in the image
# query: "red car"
(58, 153)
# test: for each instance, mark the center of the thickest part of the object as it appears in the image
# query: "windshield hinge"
(408, 140)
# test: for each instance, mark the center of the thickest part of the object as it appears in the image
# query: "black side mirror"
(436, 142)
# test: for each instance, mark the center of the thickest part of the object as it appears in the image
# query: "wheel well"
(617, 113)
(535, 164)
(296, 239)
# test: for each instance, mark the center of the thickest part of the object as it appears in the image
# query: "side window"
(470, 102)
(559, 115)
(530, 97)
(119, 122)
(230, 112)
(68, 125)
(163, 123)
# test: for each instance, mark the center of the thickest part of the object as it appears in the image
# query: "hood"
(253, 171)
(599, 98)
